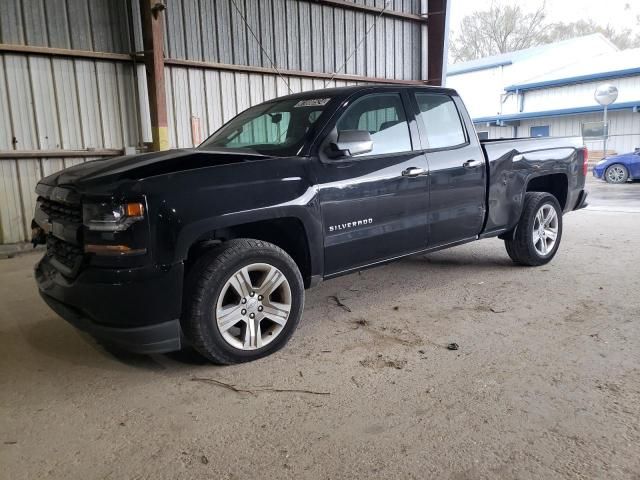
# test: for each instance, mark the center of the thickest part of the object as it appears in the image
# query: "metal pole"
(153, 37)
(606, 134)
(437, 38)
(424, 42)
(136, 85)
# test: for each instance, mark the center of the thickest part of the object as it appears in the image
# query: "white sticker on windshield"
(312, 102)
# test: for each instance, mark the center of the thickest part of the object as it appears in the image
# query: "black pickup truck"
(214, 246)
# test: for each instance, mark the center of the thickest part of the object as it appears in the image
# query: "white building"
(548, 91)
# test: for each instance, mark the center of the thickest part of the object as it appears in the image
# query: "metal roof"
(512, 57)
(625, 63)
(350, 89)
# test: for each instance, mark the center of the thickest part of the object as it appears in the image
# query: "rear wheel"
(243, 301)
(538, 233)
(616, 173)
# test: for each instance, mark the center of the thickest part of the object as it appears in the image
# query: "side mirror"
(351, 143)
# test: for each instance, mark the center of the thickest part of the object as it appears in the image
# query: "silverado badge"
(352, 224)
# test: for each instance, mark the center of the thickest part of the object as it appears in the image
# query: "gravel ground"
(545, 383)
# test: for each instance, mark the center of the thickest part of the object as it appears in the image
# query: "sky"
(621, 13)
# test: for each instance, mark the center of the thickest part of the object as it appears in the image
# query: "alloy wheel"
(253, 306)
(616, 174)
(545, 229)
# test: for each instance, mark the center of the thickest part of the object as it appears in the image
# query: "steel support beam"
(102, 152)
(64, 52)
(359, 7)
(151, 12)
(127, 58)
(284, 72)
(437, 40)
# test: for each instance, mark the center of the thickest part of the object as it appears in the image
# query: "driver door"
(374, 205)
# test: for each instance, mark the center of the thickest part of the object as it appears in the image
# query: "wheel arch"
(557, 184)
(289, 233)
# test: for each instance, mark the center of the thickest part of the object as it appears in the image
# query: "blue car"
(619, 168)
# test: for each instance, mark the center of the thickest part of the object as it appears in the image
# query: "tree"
(623, 39)
(507, 28)
(500, 29)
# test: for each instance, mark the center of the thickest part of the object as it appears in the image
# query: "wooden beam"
(151, 12)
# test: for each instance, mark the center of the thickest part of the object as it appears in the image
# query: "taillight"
(585, 161)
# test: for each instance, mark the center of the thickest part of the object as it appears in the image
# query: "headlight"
(107, 217)
(601, 162)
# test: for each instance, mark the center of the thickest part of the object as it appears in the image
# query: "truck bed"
(513, 162)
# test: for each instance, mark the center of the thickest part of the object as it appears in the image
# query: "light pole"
(605, 95)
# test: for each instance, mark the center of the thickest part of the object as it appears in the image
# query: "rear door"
(457, 171)
(374, 205)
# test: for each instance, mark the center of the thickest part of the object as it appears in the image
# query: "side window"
(382, 115)
(441, 120)
(483, 135)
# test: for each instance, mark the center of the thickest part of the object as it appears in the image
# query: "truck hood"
(137, 167)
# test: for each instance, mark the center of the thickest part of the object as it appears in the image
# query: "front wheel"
(538, 233)
(616, 173)
(243, 301)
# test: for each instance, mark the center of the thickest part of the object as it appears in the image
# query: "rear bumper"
(582, 200)
(136, 309)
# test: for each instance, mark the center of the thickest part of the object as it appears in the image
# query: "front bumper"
(137, 309)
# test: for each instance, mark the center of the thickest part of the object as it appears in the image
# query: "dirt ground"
(545, 383)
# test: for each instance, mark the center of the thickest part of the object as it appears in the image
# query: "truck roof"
(349, 90)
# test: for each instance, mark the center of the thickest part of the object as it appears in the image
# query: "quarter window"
(441, 120)
(382, 115)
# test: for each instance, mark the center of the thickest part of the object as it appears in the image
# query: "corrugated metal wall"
(50, 102)
(579, 94)
(624, 128)
(295, 35)
(57, 103)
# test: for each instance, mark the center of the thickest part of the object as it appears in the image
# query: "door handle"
(472, 163)
(413, 172)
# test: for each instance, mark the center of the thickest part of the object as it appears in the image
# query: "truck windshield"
(274, 128)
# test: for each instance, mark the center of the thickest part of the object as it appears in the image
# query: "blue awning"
(557, 112)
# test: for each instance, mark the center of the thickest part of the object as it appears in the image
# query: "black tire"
(520, 246)
(616, 173)
(204, 284)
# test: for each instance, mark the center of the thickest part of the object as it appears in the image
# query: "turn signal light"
(585, 164)
(113, 250)
(134, 209)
